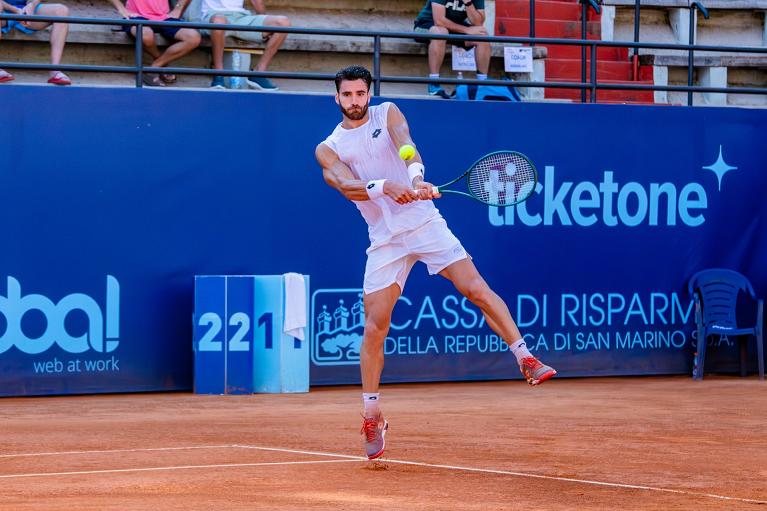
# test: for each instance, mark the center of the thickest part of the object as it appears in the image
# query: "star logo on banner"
(720, 168)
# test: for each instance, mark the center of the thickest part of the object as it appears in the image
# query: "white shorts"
(432, 243)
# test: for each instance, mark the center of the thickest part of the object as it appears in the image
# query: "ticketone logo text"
(607, 202)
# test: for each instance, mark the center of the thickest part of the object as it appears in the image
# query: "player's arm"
(399, 131)
(338, 175)
(439, 13)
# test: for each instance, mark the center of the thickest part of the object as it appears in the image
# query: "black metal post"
(532, 20)
(377, 65)
(635, 54)
(139, 49)
(636, 25)
(690, 55)
(593, 73)
(693, 15)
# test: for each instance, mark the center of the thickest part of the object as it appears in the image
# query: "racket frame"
(441, 189)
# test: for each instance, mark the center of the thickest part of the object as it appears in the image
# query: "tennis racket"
(501, 178)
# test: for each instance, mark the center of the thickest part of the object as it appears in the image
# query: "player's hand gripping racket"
(502, 178)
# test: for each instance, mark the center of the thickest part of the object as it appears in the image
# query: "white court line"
(518, 474)
(294, 451)
(61, 453)
(347, 457)
(179, 467)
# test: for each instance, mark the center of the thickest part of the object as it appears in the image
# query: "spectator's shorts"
(166, 32)
(424, 30)
(238, 18)
(11, 24)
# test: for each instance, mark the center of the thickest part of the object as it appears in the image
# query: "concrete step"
(620, 96)
(562, 69)
(559, 29)
(544, 10)
(574, 52)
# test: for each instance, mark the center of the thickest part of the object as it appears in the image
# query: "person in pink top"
(186, 39)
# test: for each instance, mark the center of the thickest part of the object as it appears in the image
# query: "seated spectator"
(5, 76)
(232, 12)
(453, 17)
(58, 32)
(187, 39)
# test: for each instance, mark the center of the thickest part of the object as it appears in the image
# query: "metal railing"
(588, 83)
(585, 4)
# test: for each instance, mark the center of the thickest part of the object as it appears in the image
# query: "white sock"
(370, 400)
(481, 76)
(519, 349)
(433, 75)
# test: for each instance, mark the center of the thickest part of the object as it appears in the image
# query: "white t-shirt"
(370, 153)
(223, 5)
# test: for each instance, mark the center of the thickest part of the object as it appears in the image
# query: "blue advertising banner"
(113, 200)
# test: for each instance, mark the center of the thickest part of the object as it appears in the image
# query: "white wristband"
(375, 188)
(414, 170)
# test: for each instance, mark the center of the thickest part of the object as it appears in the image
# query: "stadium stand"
(561, 19)
(731, 23)
(303, 53)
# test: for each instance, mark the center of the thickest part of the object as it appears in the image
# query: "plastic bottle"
(235, 82)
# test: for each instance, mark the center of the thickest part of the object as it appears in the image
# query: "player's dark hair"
(353, 73)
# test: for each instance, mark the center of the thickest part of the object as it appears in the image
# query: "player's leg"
(467, 280)
(378, 309)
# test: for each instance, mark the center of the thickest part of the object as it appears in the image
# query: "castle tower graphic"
(343, 320)
(341, 316)
(339, 334)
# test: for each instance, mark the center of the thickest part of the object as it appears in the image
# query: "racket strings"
(502, 179)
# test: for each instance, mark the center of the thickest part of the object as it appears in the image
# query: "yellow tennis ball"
(406, 152)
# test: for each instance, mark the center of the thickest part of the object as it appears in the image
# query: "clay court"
(602, 443)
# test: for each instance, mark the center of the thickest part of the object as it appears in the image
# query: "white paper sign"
(464, 60)
(517, 59)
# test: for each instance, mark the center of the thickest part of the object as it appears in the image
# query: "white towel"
(295, 305)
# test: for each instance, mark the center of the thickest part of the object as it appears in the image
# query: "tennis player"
(361, 160)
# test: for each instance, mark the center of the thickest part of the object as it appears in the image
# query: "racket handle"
(434, 190)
